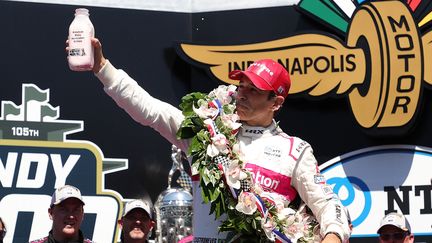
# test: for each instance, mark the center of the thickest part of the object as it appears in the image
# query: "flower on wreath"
(283, 212)
(230, 121)
(236, 150)
(203, 111)
(218, 145)
(268, 225)
(225, 94)
(212, 124)
(257, 189)
(246, 203)
(287, 214)
(301, 226)
(234, 174)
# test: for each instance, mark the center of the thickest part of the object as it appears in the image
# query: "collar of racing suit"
(254, 131)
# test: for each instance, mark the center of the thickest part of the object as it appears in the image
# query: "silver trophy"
(174, 205)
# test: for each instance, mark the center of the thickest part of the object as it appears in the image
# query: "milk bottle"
(80, 56)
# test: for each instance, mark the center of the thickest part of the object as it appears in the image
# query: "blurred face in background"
(392, 234)
(67, 218)
(136, 226)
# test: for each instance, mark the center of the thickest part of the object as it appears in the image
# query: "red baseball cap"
(266, 74)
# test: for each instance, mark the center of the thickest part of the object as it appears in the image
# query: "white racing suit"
(279, 163)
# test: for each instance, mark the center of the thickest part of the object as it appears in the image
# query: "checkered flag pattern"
(221, 160)
(184, 180)
(245, 185)
(216, 128)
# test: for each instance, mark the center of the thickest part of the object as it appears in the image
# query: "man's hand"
(331, 238)
(99, 59)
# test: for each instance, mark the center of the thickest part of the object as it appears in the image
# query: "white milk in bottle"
(80, 56)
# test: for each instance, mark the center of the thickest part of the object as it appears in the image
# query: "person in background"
(67, 213)
(136, 222)
(2, 230)
(395, 228)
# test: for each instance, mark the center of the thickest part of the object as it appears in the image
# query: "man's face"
(136, 225)
(67, 217)
(392, 234)
(254, 106)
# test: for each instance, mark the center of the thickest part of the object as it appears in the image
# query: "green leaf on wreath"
(218, 205)
(214, 194)
(205, 177)
(195, 146)
(185, 133)
(188, 128)
(197, 122)
(218, 208)
(204, 192)
(188, 101)
(203, 136)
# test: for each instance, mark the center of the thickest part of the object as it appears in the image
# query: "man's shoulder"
(298, 145)
(41, 240)
(295, 142)
(292, 139)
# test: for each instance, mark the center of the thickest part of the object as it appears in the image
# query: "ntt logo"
(369, 190)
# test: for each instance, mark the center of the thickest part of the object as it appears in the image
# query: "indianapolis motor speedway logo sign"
(36, 157)
(381, 67)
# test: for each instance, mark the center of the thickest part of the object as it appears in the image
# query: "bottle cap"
(82, 11)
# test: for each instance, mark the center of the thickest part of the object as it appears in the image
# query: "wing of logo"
(305, 60)
(380, 68)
